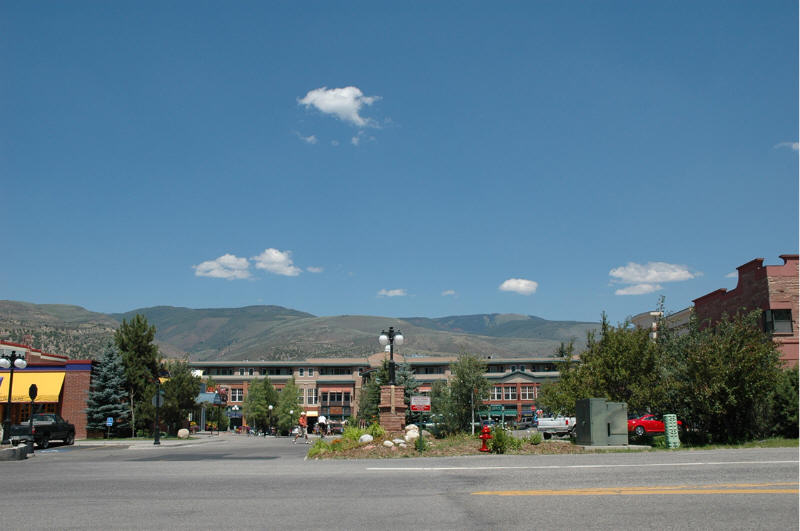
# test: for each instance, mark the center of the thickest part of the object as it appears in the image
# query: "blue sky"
(556, 159)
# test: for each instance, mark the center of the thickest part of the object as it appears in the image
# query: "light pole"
(390, 338)
(10, 361)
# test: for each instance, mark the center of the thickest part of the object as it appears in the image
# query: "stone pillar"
(392, 408)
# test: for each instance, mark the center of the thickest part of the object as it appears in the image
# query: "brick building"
(331, 386)
(63, 386)
(772, 289)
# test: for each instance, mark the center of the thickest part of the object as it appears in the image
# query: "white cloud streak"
(519, 285)
(392, 293)
(227, 266)
(732, 274)
(449, 293)
(638, 289)
(314, 269)
(794, 146)
(278, 262)
(344, 103)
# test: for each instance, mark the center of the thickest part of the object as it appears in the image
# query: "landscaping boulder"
(366, 438)
(410, 427)
(412, 436)
(388, 444)
(398, 441)
(183, 433)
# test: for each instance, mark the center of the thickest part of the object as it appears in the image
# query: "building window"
(312, 397)
(335, 371)
(311, 371)
(497, 393)
(251, 371)
(495, 368)
(241, 371)
(778, 321)
(527, 392)
(237, 395)
(301, 371)
(510, 393)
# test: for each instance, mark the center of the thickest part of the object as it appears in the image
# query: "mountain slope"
(277, 333)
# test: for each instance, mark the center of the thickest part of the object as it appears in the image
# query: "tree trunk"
(133, 417)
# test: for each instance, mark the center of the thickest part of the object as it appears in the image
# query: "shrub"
(376, 430)
(500, 441)
(352, 433)
(320, 447)
(535, 438)
(421, 444)
(659, 441)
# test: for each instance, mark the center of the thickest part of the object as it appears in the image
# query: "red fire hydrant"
(485, 435)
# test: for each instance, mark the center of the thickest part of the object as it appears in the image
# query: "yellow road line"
(736, 488)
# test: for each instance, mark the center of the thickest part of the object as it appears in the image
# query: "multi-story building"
(62, 384)
(771, 289)
(331, 386)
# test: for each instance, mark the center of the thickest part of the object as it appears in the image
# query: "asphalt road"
(236, 482)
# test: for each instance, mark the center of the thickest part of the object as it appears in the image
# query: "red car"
(647, 424)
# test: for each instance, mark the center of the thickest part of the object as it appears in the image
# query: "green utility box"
(671, 431)
(601, 423)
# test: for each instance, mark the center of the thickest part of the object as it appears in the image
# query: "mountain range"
(278, 333)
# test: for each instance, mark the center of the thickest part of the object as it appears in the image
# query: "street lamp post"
(10, 361)
(390, 338)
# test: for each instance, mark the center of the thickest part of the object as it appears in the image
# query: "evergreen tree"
(371, 392)
(180, 392)
(140, 358)
(108, 395)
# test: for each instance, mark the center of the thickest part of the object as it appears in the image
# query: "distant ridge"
(278, 333)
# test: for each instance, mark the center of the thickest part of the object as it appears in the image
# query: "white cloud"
(344, 103)
(313, 269)
(638, 289)
(278, 262)
(645, 278)
(307, 139)
(795, 146)
(519, 285)
(732, 274)
(448, 292)
(355, 140)
(392, 293)
(650, 272)
(227, 266)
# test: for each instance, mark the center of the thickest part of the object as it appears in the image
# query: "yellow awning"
(48, 385)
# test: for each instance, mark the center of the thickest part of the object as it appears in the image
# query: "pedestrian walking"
(303, 428)
(323, 425)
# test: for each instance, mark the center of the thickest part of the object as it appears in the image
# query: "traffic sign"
(109, 421)
(158, 399)
(420, 403)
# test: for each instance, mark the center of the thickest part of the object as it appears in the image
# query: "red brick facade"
(75, 393)
(759, 287)
(71, 403)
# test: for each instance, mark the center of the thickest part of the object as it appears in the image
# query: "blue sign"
(109, 421)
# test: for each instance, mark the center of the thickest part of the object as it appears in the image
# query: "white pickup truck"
(560, 426)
